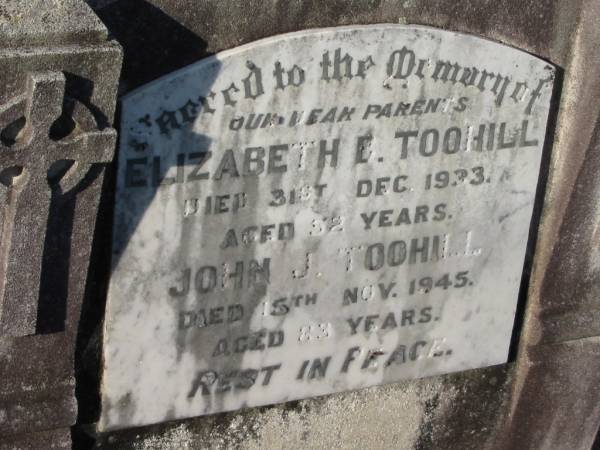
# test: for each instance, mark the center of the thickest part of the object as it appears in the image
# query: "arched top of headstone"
(368, 39)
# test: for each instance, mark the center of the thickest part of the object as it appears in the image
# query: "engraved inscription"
(318, 212)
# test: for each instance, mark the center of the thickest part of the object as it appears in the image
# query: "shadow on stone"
(537, 214)
(154, 44)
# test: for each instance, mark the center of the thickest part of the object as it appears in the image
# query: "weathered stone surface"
(159, 36)
(37, 390)
(563, 381)
(419, 414)
(48, 23)
(318, 212)
(171, 34)
(558, 374)
(57, 99)
(51, 440)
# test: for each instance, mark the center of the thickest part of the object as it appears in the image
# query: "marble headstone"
(319, 212)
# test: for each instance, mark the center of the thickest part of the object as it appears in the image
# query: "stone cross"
(49, 142)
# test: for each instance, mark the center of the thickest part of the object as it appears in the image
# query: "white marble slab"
(317, 212)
